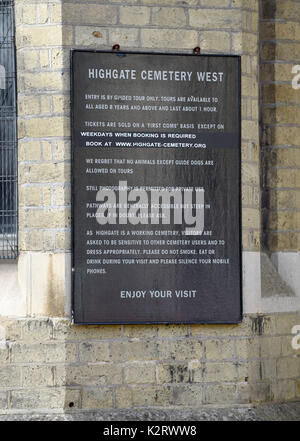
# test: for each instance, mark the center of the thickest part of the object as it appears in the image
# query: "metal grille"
(8, 134)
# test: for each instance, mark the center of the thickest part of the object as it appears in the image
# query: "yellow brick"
(30, 59)
(285, 178)
(236, 3)
(215, 41)
(284, 199)
(250, 21)
(99, 398)
(298, 388)
(219, 349)
(277, 30)
(242, 329)
(237, 42)
(254, 239)
(134, 15)
(92, 13)
(124, 36)
(140, 373)
(249, 87)
(250, 196)
(276, 71)
(270, 347)
(248, 348)
(47, 150)
(84, 36)
(57, 172)
(29, 105)
(284, 9)
(251, 218)
(220, 394)
(123, 397)
(56, 13)
(62, 195)
(225, 371)
(43, 13)
(186, 394)
(151, 396)
(61, 103)
(289, 136)
(280, 93)
(30, 151)
(48, 240)
(250, 43)
(144, 331)
(245, 239)
(285, 322)
(62, 150)
(169, 38)
(210, 3)
(175, 17)
(64, 330)
(49, 81)
(215, 18)
(47, 218)
(89, 375)
(281, 114)
(250, 173)
(44, 59)
(280, 51)
(250, 129)
(283, 390)
(44, 36)
(60, 58)
(40, 127)
(29, 14)
(251, 4)
(288, 367)
(283, 241)
(172, 331)
(286, 157)
(46, 195)
(170, 2)
(173, 373)
(33, 241)
(63, 240)
(30, 196)
(186, 349)
(46, 104)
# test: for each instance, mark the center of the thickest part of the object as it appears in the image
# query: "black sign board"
(156, 188)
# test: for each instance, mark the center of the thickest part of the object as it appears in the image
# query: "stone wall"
(45, 361)
(280, 51)
(47, 364)
(280, 154)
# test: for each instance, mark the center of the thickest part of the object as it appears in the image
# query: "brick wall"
(280, 51)
(50, 365)
(47, 363)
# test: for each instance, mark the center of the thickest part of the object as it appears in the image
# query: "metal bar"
(8, 135)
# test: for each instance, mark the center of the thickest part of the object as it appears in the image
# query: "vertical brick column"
(44, 153)
(280, 50)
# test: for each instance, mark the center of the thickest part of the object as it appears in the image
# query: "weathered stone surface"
(274, 412)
